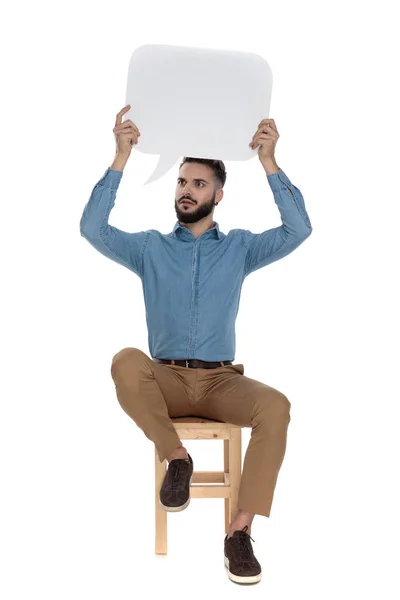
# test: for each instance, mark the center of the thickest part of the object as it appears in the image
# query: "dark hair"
(217, 166)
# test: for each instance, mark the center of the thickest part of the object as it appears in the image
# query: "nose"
(186, 194)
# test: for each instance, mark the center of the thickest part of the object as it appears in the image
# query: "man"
(192, 279)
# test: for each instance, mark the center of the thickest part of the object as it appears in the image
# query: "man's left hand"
(266, 137)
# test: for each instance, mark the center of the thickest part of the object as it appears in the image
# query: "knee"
(130, 355)
(278, 406)
(283, 402)
(285, 406)
(282, 405)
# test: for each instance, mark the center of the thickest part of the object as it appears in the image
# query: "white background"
(321, 325)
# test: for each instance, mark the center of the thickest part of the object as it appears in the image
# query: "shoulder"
(243, 236)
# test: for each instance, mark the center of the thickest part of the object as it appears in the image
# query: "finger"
(126, 125)
(267, 135)
(271, 123)
(123, 127)
(261, 129)
(263, 136)
(124, 110)
(266, 128)
(133, 125)
(128, 132)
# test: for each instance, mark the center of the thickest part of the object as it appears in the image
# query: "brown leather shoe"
(175, 489)
(242, 565)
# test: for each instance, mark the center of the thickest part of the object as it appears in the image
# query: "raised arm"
(122, 247)
(271, 245)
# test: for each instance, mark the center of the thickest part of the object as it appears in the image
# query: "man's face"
(196, 183)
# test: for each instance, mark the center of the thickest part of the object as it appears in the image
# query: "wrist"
(122, 155)
(270, 166)
(119, 162)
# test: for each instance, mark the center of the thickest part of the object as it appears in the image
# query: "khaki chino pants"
(152, 393)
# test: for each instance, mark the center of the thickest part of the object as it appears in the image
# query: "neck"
(200, 227)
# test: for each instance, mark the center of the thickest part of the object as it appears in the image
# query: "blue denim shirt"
(192, 286)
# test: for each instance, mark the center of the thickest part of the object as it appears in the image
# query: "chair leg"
(227, 501)
(161, 515)
(235, 467)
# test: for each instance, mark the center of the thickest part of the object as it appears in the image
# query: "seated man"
(192, 280)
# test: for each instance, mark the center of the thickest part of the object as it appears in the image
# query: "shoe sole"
(176, 508)
(238, 579)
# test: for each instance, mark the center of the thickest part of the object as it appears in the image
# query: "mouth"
(186, 202)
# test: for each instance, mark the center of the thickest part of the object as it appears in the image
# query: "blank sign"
(196, 102)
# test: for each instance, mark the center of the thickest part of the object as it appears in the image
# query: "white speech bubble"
(196, 102)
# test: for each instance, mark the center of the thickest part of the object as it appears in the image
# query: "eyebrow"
(196, 179)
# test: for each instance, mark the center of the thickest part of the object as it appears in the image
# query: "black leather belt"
(193, 363)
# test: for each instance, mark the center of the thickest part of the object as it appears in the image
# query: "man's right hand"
(126, 133)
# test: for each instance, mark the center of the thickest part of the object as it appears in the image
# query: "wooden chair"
(224, 484)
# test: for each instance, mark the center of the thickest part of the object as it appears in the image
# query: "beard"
(194, 213)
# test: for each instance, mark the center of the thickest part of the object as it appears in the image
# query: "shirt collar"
(214, 228)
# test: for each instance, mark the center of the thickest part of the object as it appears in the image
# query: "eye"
(199, 182)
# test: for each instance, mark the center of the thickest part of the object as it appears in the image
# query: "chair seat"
(194, 428)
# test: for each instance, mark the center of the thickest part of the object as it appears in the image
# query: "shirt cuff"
(278, 180)
(111, 178)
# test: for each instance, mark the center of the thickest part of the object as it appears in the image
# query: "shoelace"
(244, 542)
(176, 468)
